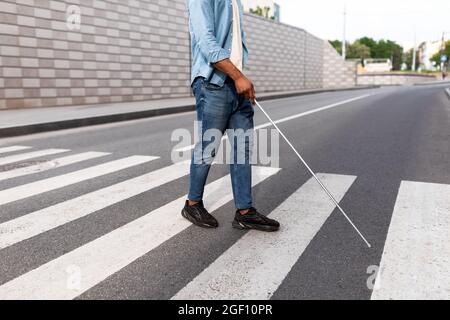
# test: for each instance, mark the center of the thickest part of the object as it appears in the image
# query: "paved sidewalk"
(27, 121)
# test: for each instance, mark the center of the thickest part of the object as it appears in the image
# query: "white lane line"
(41, 186)
(296, 116)
(13, 148)
(108, 254)
(30, 155)
(416, 258)
(255, 266)
(448, 92)
(37, 222)
(53, 164)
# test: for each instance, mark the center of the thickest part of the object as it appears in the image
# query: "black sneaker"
(255, 220)
(198, 215)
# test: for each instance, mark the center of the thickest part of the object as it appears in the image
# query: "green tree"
(257, 11)
(357, 50)
(368, 42)
(262, 12)
(369, 48)
(437, 57)
(408, 59)
(337, 45)
(384, 49)
(397, 57)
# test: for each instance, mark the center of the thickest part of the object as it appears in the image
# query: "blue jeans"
(221, 109)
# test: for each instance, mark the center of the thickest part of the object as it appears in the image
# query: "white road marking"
(255, 266)
(30, 155)
(296, 116)
(13, 148)
(448, 92)
(41, 186)
(108, 254)
(32, 224)
(53, 164)
(416, 258)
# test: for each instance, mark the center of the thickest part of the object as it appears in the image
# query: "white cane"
(313, 174)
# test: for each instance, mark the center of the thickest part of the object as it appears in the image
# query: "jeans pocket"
(210, 86)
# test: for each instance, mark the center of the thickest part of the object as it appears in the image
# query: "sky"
(397, 20)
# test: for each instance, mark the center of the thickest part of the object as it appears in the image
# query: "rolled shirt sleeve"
(201, 19)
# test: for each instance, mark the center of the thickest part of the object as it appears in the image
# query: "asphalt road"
(381, 138)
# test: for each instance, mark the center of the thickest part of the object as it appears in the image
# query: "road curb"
(120, 117)
(84, 122)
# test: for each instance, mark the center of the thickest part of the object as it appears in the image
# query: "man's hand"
(244, 86)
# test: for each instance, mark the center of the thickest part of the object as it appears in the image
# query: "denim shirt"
(210, 26)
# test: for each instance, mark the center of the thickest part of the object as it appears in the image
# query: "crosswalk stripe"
(41, 186)
(416, 257)
(108, 254)
(32, 224)
(30, 155)
(255, 266)
(56, 163)
(13, 148)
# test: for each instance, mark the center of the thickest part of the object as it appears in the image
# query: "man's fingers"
(247, 94)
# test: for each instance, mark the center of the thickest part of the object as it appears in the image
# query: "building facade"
(426, 52)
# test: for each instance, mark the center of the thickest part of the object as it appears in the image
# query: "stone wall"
(393, 79)
(282, 57)
(337, 73)
(124, 51)
(134, 50)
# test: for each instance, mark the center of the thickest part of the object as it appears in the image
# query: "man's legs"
(241, 137)
(219, 109)
(242, 130)
(213, 111)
